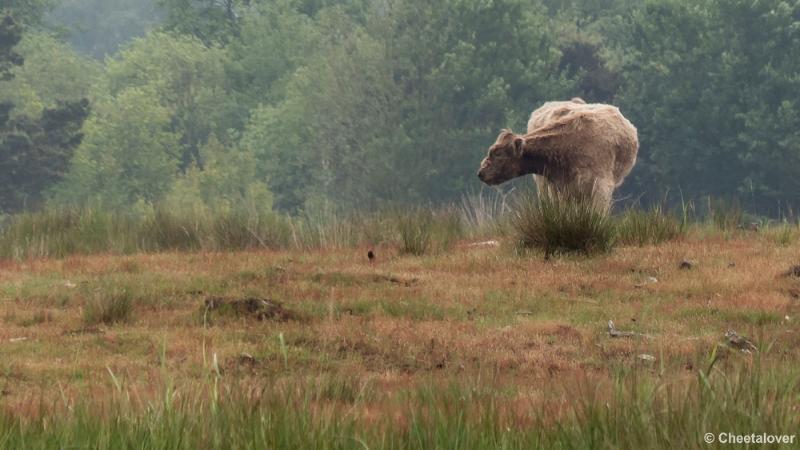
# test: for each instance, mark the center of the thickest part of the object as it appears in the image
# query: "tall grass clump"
(485, 213)
(162, 229)
(324, 228)
(634, 410)
(327, 228)
(243, 230)
(783, 234)
(423, 230)
(108, 307)
(650, 227)
(59, 232)
(416, 231)
(725, 215)
(562, 222)
(232, 230)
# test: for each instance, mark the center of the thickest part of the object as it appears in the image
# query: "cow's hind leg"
(603, 193)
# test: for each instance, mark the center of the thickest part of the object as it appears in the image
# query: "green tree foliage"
(217, 22)
(29, 13)
(467, 68)
(52, 72)
(360, 103)
(229, 181)
(186, 78)
(276, 39)
(283, 154)
(34, 149)
(582, 60)
(162, 109)
(129, 155)
(35, 153)
(401, 108)
(10, 35)
(99, 27)
(709, 85)
(337, 108)
(210, 21)
(356, 9)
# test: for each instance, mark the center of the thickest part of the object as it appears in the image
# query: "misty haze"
(399, 223)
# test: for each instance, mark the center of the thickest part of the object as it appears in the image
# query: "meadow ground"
(471, 347)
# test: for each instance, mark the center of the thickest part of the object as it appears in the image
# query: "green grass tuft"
(163, 230)
(635, 410)
(424, 231)
(652, 227)
(556, 223)
(562, 222)
(725, 215)
(108, 307)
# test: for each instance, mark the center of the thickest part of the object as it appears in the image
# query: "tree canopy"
(35, 151)
(363, 103)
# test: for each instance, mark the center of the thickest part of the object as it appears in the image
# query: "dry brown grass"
(472, 313)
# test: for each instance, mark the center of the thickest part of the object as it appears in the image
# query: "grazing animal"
(588, 148)
(370, 255)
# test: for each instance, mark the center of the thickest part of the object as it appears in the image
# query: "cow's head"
(504, 160)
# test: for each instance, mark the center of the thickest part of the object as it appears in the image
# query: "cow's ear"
(519, 144)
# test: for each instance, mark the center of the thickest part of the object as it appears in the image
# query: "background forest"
(295, 105)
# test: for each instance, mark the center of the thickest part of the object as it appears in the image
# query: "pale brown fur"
(569, 145)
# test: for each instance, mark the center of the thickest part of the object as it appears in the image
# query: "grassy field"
(470, 345)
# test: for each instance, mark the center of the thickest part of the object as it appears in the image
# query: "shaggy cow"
(569, 145)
